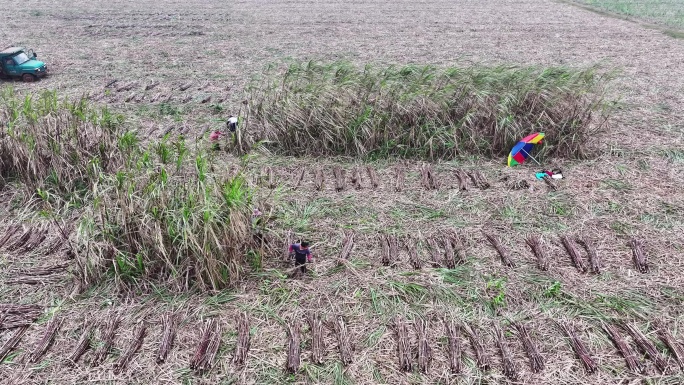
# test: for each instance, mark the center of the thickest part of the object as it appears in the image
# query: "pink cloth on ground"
(214, 136)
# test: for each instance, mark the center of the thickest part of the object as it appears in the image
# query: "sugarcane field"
(366, 192)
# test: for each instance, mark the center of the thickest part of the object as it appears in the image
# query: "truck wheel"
(28, 78)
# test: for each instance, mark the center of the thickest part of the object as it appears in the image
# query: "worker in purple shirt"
(301, 254)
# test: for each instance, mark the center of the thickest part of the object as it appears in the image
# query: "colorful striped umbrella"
(521, 150)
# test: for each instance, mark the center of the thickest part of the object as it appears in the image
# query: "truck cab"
(16, 62)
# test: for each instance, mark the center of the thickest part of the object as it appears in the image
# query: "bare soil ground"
(631, 191)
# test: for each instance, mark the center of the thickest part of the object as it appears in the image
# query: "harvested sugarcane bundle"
(293, 348)
(449, 253)
(403, 345)
(672, 345)
(647, 346)
(46, 340)
(638, 255)
(343, 341)
(21, 241)
(356, 178)
(127, 87)
(594, 261)
(509, 368)
(54, 246)
(212, 348)
(424, 350)
(317, 342)
(390, 249)
(534, 242)
(34, 241)
(347, 245)
(414, 258)
(503, 253)
(479, 180)
(83, 343)
(462, 180)
(455, 350)
(12, 342)
(458, 256)
(133, 348)
(168, 335)
(201, 350)
(340, 181)
(549, 183)
(480, 356)
(300, 178)
(243, 340)
(39, 275)
(151, 86)
(13, 316)
(268, 177)
(428, 177)
(319, 179)
(373, 177)
(433, 248)
(8, 234)
(580, 350)
(574, 255)
(208, 346)
(536, 359)
(625, 350)
(107, 335)
(518, 185)
(399, 178)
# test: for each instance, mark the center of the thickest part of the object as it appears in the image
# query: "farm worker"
(232, 123)
(301, 254)
(213, 138)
